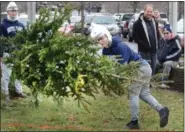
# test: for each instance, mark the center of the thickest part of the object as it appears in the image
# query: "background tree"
(180, 9)
(82, 16)
(134, 5)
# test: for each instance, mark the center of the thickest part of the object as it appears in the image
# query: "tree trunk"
(118, 7)
(134, 10)
(134, 5)
(82, 16)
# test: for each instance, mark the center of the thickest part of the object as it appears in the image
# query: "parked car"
(164, 16)
(75, 19)
(105, 20)
(130, 26)
(180, 30)
(3, 15)
(117, 17)
(87, 23)
(77, 26)
(122, 17)
(124, 21)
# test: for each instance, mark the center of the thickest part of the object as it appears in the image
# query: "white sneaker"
(164, 86)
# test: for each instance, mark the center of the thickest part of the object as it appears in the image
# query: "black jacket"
(171, 50)
(141, 37)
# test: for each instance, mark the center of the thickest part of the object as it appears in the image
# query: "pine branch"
(140, 81)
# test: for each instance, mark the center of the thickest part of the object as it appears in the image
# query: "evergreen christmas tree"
(57, 65)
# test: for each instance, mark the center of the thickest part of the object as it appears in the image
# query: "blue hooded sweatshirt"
(119, 48)
(9, 28)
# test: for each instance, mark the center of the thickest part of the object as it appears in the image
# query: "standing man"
(8, 28)
(146, 35)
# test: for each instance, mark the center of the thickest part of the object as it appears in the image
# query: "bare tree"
(134, 5)
(82, 16)
(118, 5)
(180, 9)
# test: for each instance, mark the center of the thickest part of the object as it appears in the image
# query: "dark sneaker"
(133, 125)
(7, 103)
(21, 95)
(164, 113)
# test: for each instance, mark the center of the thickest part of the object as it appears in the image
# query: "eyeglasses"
(165, 33)
(13, 10)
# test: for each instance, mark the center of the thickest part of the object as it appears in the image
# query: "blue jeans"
(5, 79)
(151, 58)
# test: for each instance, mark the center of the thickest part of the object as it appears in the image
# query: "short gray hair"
(148, 5)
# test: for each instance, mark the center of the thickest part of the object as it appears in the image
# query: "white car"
(180, 30)
(123, 19)
(107, 21)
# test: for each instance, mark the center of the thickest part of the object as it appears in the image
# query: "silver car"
(108, 21)
(130, 26)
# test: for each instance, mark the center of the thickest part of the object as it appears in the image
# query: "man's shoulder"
(177, 37)
(174, 39)
(137, 22)
(122, 46)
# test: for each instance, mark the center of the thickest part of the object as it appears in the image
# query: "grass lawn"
(106, 114)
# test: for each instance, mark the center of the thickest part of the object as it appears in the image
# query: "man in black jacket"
(146, 35)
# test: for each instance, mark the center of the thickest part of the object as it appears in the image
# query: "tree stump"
(177, 75)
